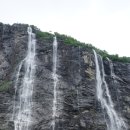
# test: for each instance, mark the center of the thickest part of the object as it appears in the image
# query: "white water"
(111, 68)
(22, 107)
(113, 120)
(54, 115)
(16, 84)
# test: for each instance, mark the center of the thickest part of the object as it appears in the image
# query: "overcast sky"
(103, 23)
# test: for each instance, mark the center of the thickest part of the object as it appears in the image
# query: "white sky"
(103, 23)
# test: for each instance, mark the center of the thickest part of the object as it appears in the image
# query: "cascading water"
(55, 78)
(16, 83)
(113, 121)
(24, 87)
(111, 68)
(112, 71)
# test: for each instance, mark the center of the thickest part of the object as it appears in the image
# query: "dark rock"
(77, 105)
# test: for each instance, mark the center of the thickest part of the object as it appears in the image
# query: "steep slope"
(77, 104)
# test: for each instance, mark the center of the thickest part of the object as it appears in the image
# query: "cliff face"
(77, 104)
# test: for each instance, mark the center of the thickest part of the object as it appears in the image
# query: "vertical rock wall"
(77, 105)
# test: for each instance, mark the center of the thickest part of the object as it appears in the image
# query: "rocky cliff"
(77, 104)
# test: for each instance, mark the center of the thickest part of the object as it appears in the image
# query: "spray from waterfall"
(24, 87)
(113, 120)
(54, 115)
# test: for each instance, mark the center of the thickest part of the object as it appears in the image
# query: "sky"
(103, 23)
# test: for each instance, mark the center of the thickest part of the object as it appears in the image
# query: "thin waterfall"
(112, 71)
(24, 87)
(16, 87)
(113, 120)
(55, 78)
(111, 68)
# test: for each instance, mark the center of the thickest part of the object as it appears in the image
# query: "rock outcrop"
(77, 105)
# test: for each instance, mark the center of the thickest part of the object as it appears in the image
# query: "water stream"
(113, 120)
(24, 87)
(55, 78)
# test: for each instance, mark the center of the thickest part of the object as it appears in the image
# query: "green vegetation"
(71, 41)
(44, 35)
(4, 86)
(115, 57)
(68, 40)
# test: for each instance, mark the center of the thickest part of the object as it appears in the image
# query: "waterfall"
(55, 82)
(16, 84)
(24, 87)
(111, 68)
(115, 77)
(113, 120)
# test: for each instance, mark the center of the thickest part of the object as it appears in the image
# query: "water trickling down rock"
(24, 87)
(76, 104)
(113, 121)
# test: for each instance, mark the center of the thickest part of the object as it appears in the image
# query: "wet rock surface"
(77, 105)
